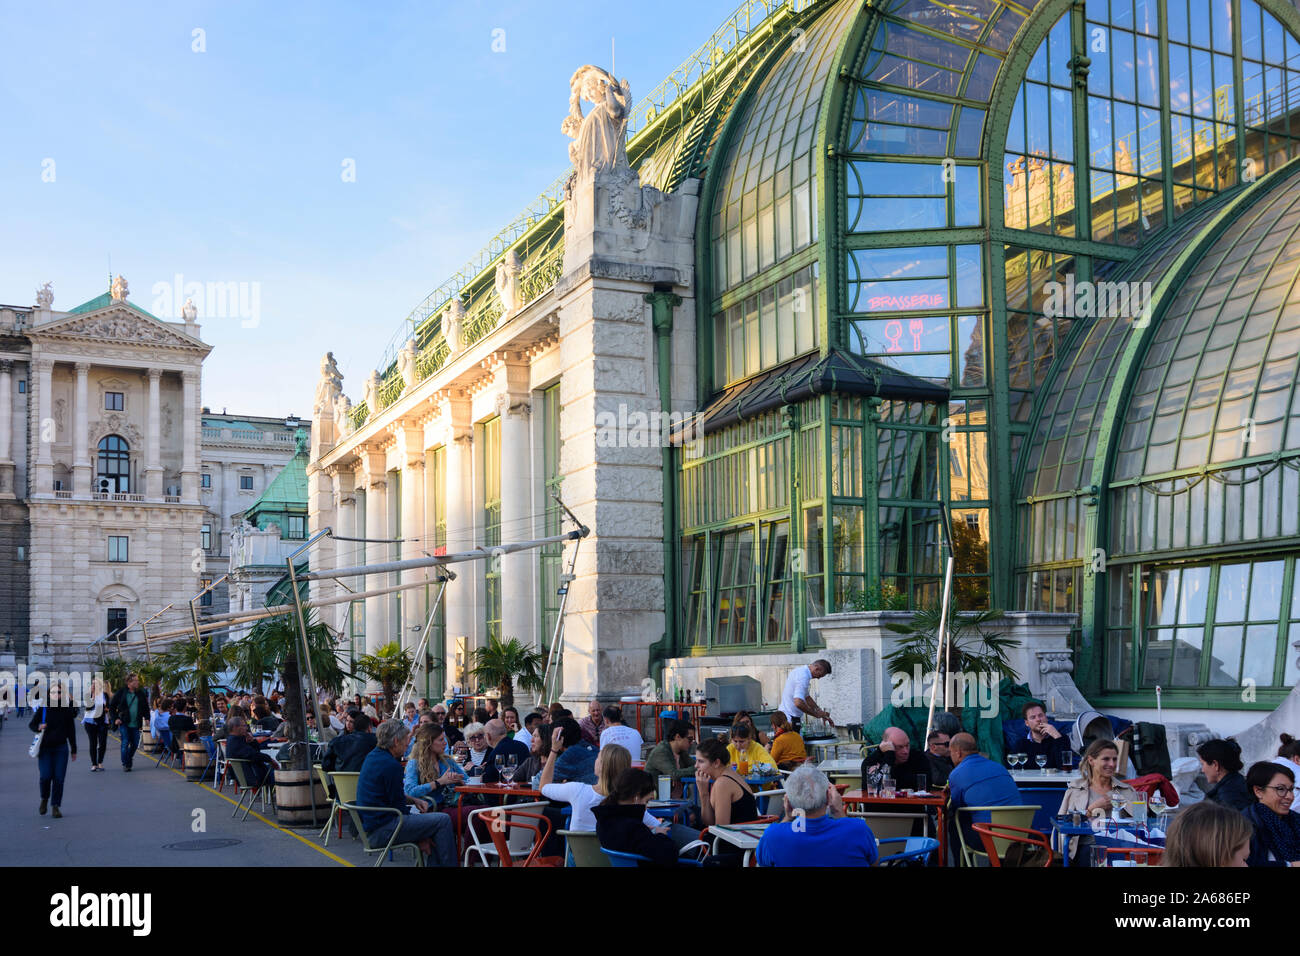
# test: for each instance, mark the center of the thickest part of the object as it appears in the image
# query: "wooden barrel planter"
(194, 758)
(293, 799)
(149, 744)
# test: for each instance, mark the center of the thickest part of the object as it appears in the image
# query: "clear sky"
(125, 146)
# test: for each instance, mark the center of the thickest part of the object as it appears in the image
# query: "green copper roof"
(288, 492)
(106, 300)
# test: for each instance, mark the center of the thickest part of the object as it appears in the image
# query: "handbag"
(35, 748)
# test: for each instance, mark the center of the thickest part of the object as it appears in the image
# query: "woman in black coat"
(1221, 764)
(59, 723)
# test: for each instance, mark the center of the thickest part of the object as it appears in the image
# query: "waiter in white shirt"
(795, 699)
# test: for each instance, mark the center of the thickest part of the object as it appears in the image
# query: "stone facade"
(591, 333)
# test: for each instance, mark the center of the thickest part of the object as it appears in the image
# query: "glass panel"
(1225, 657)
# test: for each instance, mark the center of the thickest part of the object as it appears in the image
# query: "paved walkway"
(128, 819)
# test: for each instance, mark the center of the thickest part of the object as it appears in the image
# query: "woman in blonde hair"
(433, 775)
(1098, 783)
(610, 762)
(1208, 834)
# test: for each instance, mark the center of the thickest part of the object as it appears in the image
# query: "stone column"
(190, 437)
(81, 434)
(43, 482)
(153, 475)
(518, 607)
(378, 632)
(6, 427)
(414, 605)
(461, 597)
(615, 611)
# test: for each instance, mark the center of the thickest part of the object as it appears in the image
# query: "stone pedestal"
(622, 242)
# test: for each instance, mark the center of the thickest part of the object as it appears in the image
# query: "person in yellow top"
(787, 746)
(744, 747)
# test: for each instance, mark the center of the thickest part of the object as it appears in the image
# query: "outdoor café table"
(667, 809)
(850, 765)
(859, 799)
(1061, 833)
(1036, 778)
(833, 746)
(744, 836)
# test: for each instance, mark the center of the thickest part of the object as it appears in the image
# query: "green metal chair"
(584, 848)
(345, 786)
(1016, 816)
(392, 844)
(243, 777)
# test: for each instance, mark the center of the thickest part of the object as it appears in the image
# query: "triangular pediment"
(120, 324)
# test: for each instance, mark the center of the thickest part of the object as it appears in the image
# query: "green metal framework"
(489, 441)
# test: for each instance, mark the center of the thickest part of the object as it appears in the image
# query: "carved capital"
(154, 374)
(1055, 662)
(44, 366)
(6, 366)
(83, 368)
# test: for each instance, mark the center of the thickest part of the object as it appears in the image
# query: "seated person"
(472, 752)
(936, 751)
(347, 752)
(976, 781)
(381, 785)
(1277, 827)
(744, 747)
(1221, 764)
(424, 720)
(326, 731)
(788, 749)
(896, 753)
(620, 820)
(575, 757)
(582, 797)
(671, 757)
(158, 721)
(617, 732)
(1042, 738)
(742, 717)
(724, 796)
(181, 727)
(815, 831)
(531, 722)
(240, 745)
(433, 775)
(538, 750)
(1208, 834)
(502, 744)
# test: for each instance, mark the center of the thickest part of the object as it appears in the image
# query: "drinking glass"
(1041, 760)
(512, 762)
(888, 787)
(1137, 809)
(1098, 856)
(1067, 760)
(921, 783)
(1158, 807)
(1012, 760)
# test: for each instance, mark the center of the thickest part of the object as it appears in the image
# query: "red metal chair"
(1149, 855)
(1004, 831)
(500, 826)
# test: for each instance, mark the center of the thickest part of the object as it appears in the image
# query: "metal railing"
(390, 390)
(482, 320)
(360, 414)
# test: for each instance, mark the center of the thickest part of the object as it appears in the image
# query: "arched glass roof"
(1219, 379)
(1065, 436)
(765, 206)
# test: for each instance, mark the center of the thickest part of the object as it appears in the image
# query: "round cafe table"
(861, 800)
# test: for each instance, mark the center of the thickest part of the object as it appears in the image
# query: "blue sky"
(125, 145)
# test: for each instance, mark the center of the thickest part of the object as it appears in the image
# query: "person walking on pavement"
(130, 707)
(56, 722)
(95, 720)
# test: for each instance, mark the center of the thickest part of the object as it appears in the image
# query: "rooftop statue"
(597, 137)
(188, 311)
(45, 295)
(119, 289)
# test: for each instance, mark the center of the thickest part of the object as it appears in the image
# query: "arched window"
(114, 476)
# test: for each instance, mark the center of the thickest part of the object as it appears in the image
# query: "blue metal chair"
(914, 848)
(618, 858)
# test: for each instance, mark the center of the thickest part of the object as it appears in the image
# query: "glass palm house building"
(1036, 261)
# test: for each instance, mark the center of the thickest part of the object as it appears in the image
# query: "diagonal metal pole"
(409, 686)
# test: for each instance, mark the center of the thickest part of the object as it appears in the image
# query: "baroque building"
(836, 240)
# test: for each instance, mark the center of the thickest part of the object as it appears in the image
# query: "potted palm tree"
(503, 663)
(275, 645)
(193, 665)
(390, 665)
(971, 647)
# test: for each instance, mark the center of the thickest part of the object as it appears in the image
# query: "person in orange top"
(787, 746)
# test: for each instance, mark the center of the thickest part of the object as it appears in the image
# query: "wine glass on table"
(1158, 807)
(1041, 760)
(512, 764)
(503, 769)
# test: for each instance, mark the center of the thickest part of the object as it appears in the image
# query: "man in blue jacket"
(380, 785)
(503, 745)
(976, 781)
(816, 831)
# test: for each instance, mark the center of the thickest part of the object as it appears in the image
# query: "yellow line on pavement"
(269, 823)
